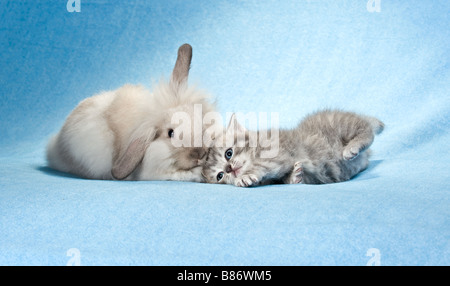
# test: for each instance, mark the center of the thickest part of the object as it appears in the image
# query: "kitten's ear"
(209, 139)
(234, 127)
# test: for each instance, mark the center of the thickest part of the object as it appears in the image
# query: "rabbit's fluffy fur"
(126, 133)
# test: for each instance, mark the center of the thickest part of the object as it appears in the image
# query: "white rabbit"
(126, 133)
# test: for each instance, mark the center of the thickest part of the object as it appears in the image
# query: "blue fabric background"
(291, 57)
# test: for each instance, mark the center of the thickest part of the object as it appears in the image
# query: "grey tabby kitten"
(326, 147)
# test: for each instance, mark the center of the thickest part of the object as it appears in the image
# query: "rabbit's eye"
(229, 154)
(220, 176)
(170, 133)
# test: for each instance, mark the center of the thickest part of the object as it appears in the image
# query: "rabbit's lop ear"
(128, 160)
(181, 70)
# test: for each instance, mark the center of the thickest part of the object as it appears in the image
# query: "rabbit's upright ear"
(181, 70)
(129, 159)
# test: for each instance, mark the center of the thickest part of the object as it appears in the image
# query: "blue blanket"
(388, 59)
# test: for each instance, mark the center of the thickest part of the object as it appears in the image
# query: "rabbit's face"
(183, 129)
(176, 152)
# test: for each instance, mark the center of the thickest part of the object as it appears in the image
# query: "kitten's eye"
(220, 176)
(170, 133)
(229, 154)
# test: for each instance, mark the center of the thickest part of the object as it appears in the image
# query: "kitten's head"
(229, 155)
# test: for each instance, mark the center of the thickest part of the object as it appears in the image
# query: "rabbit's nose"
(228, 169)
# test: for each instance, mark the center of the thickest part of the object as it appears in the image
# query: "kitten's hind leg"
(358, 144)
(350, 152)
(296, 177)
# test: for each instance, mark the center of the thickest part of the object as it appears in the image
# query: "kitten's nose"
(228, 169)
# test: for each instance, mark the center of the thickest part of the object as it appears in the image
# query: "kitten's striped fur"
(326, 147)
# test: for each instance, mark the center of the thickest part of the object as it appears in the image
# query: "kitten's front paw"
(246, 181)
(350, 153)
(297, 174)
